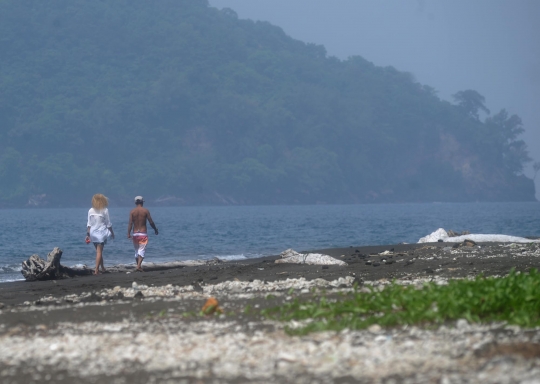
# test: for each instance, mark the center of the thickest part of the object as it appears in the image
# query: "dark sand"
(407, 261)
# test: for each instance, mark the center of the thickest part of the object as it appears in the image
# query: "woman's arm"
(88, 232)
(112, 232)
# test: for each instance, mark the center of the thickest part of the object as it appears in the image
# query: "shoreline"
(145, 327)
(405, 261)
(128, 203)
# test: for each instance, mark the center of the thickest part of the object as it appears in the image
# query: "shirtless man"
(137, 222)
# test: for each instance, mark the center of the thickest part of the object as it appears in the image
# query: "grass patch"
(514, 299)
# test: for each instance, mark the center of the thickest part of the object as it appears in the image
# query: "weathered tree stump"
(35, 268)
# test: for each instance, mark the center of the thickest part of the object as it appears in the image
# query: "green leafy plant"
(514, 299)
(162, 313)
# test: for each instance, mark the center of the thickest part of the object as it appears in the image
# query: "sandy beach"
(143, 327)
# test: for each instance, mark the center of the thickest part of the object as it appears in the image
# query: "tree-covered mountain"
(187, 104)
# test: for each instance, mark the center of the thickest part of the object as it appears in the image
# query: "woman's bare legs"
(99, 258)
(101, 264)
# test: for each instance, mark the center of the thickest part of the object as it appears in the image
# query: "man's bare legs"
(139, 263)
(99, 258)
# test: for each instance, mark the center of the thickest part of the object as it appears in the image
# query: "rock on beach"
(291, 256)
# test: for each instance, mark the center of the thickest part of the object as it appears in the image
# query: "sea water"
(238, 232)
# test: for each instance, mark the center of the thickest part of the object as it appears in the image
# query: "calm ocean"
(243, 232)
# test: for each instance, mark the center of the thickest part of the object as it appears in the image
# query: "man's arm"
(130, 225)
(152, 223)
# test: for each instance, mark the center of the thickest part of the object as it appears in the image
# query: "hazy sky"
(491, 46)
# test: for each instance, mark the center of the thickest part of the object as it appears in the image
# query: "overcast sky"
(491, 46)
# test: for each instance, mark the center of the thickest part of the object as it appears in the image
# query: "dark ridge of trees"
(186, 104)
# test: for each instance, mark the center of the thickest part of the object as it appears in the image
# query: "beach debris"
(455, 234)
(105, 351)
(138, 287)
(197, 287)
(91, 299)
(211, 306)
(468, 243)
(35, 268)
(442, 235)
(291, 256)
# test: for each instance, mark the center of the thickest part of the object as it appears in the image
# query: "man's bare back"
(137, 220)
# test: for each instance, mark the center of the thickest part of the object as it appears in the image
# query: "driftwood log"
(35, 268)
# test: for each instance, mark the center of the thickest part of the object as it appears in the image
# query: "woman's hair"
(99, 201)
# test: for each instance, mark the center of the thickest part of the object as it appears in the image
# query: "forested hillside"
(187, 104)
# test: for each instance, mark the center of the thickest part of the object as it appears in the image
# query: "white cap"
(139, 198)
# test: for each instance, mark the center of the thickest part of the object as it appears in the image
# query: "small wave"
(207, 257)
(10, 272)
(8, 268)
(7, 279)
(232, 257)
(79, 266)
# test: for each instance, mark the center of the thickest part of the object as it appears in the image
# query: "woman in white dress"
(99, 227)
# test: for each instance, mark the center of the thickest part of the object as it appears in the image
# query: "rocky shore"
(145, 327)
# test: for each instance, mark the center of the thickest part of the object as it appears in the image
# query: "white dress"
(99, 223)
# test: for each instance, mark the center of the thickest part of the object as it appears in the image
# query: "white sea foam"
(232, 257)
(10, 268)
(10, 272)
(7, 279)
(441, 234)
(202, 259)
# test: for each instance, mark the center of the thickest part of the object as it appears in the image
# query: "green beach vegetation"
(187, 104)
(512, 299)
